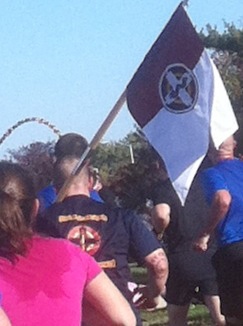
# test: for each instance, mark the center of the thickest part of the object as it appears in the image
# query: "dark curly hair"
(17, 195)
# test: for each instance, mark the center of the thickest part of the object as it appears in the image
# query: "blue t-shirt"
(47, 197)
(227, 175)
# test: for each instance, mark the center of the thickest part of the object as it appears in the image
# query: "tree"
(111, 156)
(132, 182)
(37, 159)
(108, 157)
(227, 53)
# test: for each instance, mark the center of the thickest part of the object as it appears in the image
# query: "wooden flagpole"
(93, 144)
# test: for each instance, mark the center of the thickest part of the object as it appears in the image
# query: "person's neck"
(73, 191)
(225, 157)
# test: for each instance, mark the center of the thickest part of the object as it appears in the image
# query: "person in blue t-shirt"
(223, 186)
(110, 235)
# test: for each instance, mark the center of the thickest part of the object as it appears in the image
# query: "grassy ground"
(198, 314)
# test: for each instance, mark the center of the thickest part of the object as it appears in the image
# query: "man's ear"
(35, 209)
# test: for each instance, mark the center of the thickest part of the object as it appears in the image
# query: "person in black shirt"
(110, 235)
(189, 271)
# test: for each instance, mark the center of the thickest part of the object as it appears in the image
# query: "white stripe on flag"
(223, 122)
(182, 139)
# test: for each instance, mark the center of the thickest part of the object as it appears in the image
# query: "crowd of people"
(67, 262)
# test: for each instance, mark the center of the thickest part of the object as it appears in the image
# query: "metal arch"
(33, 119)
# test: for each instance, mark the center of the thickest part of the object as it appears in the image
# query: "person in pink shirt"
(44, 280)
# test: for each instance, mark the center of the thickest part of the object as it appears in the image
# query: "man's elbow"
(222, 200)
(160, 217)
(157, 264)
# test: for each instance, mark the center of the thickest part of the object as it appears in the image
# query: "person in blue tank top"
(223, 185)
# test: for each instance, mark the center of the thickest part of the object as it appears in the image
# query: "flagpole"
(93, 144)
(185, 3)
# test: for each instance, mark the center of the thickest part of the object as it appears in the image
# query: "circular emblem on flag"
(87, 238)
(178, 88)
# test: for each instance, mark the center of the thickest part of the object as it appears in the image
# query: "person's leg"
(213, 304)
(179, 290)
(228, 262)
(177, 314)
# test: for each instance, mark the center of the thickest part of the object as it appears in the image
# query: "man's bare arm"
(157, 265)
(160, 217)
(219, 208)
(105, 304)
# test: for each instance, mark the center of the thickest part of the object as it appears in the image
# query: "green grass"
(198, 314)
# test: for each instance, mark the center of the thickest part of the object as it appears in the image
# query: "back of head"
(70, 144)
(17, 196)
(63, 169)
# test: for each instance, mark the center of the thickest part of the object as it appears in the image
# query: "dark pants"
(228, 262)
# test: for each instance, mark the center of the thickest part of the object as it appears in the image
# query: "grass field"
(198, 314)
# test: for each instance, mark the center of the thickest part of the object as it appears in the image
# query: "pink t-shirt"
(45, 288)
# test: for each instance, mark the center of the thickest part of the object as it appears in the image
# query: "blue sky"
(68, 61)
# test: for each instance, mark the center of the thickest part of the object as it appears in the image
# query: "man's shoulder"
(209, 172)
(164, 192)
(222, 166)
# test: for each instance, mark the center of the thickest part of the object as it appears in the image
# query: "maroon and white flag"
(178, 99)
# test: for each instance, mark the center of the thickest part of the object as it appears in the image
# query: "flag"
(178, 99)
